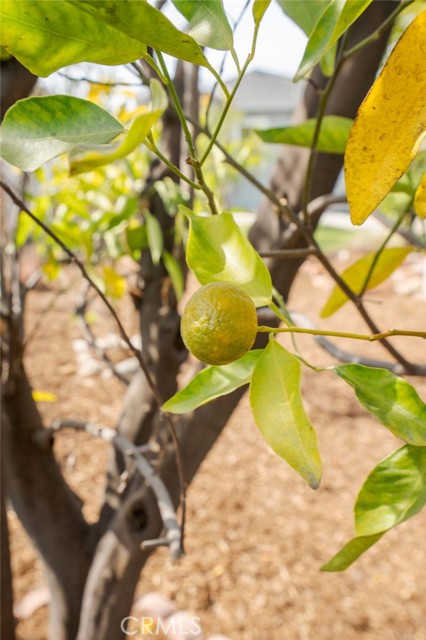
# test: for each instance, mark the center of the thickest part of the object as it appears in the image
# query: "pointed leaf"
(145, 23)
(87, 158)
(175, 272)
(420, 199)
(304, 14)
(332, 138)
(335, 20)
(389, 125)
(390, 399)
(329, 60)
(38, 129)
(278, 410)
(155, 237)
(44, 396)
(46, 36)
(208, 24)
(259, 8)
(350, 552)
(213, 382)
(115, 284)
(356, 273)
(218, 251)
(394, 491)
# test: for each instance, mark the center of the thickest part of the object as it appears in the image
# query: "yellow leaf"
(51, 270)
(44, 396)
(115, 285)
(96, 91)
(389, 125)
(355, 275)
(89, 157)
(420, 198)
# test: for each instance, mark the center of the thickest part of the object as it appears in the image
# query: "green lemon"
(219, 323)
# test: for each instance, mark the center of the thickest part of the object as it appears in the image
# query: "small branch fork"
(135, 454)
(80, 311)
(303, 322)
(342, 334)
(172, 429)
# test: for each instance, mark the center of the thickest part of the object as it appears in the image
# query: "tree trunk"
(17, 83)
(7, 629)
(49, 511)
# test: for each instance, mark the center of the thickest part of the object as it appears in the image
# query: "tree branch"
(124, 335)
(141, 463)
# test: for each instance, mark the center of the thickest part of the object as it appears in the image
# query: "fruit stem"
(342, 334)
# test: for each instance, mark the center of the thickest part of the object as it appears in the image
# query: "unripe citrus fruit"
(219, 323)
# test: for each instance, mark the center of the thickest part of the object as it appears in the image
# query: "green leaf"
(218, 251)
(136, 237)
(155, 237)
(36, 130)
(208, 24)
(329, 60)
(213, 382)
(88, 157)
(390, 399)
(278, 410)
(401, 196)
(394, 491)
(175, 272)
(46, 36)
(4, 54)
(337, 17)
(141, 21)
(350, 552)
(356, 273)
(304, 14)
(259, 8)
(332, 138)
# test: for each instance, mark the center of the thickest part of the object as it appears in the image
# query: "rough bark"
(49, 511)
(7, 627)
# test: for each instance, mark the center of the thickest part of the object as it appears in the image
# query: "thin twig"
(222, 65)
(19, 202)
(99, 82)
(324, 96)
(378, 32)
(373, 337)
(288, 254)
(192, 160)
(80, 311)
(230, 98)
(152, 479)
(150, 144)
(379, 253)
(407, 234)
(301, 320)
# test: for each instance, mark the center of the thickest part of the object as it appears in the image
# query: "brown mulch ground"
(256, 535)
